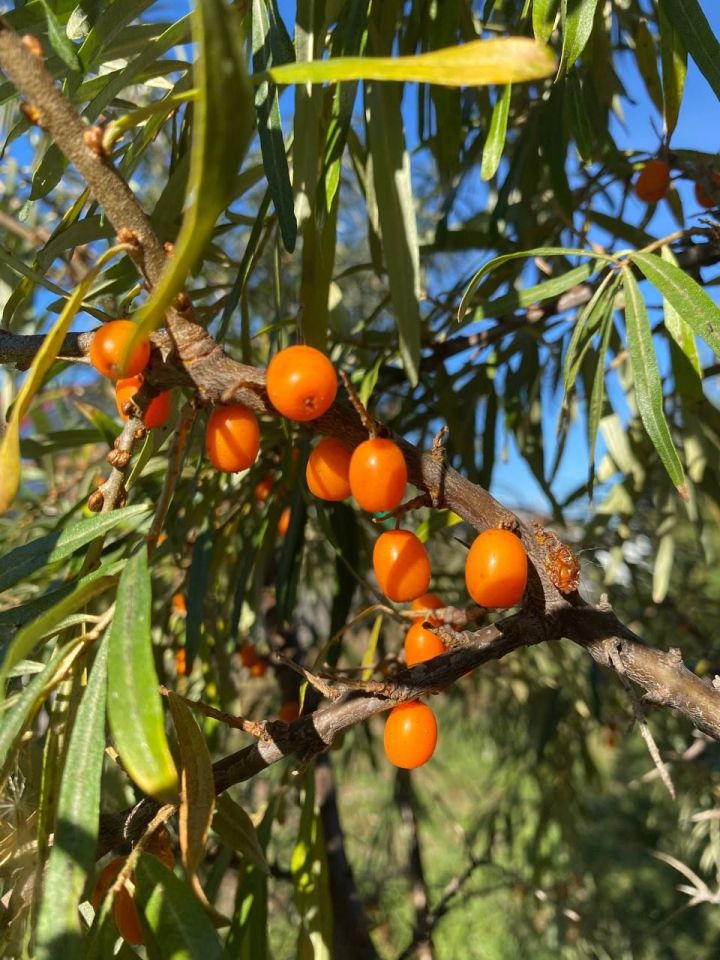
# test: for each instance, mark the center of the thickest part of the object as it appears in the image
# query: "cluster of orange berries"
(654, 182)
(301, 384)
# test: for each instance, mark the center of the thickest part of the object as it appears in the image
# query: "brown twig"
(252, 727)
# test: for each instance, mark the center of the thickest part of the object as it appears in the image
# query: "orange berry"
(410, 734)
(704, 198)
(109, 346)
(653, 182)
(327, 471)
(178, 604)
(301, 383)
(248, 655)
(156, 414)
(232, 438)
(124, 912)
(428, 601)
(263, 489)
(401, 565)
(421, 644)
(289, 711)
(284, 522)
(180, 662)
(258, 669)
(378, 475)
(496, 569)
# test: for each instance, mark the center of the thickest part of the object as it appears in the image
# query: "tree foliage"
(441, 197)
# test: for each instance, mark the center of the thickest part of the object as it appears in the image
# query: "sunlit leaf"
(673, 57)
(577, 17)
(134, 703)
(697, 37)
(176, 924)
(648, 385)
(21, 562)
(235, 828)
(197, 787)
(506, 60)
(685, 295)
(492, 151)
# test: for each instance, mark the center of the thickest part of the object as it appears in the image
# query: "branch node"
(33, 45)
(93, 140)
(96, 501)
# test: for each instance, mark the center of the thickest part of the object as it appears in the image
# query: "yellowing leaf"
(480, 62)
(43, 360)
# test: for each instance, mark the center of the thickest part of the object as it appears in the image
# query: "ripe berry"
(124, 912)
(421, 644)
(178, 604)
(263, 489)
(401, 565)
(232, 438)
(301, 383)
(378, 475)
(156, 414)
(289, 711)
(109, 346)
(410, 734)
(496, 569)
(284, 522)
(258, 669)
(248, 655)
(705, 199)
(327, 470)
(180, 662)
(653, 182)
(428, 601)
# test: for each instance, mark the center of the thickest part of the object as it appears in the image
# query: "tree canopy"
(219, 706)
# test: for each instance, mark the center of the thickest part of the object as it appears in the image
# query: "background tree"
(491, 260)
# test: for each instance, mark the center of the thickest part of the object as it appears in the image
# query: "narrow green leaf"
(248, 935)
(272, 142)
(175, 922)
(544, 15)
(522, 254)
(648, 386)
(577, 18)
(42, 361)
(662, 568)
(646, 56)
(308, 866)
(134, 703)
(586, 324)
(686, 296)
(223, 118)
(697, 37)
(197, 786)
(235, 828)
(579, 121)
(479, 62)
(26, 638)
(547, 290)
(597, 397)
(396, 214)
(492, 151)
(21, 562)
(684, 354)
(18, 716)
(198, 581)
(673, 57)
(59, 40)
(78, 819)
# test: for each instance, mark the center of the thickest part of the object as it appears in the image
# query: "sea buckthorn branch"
(194, 359)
